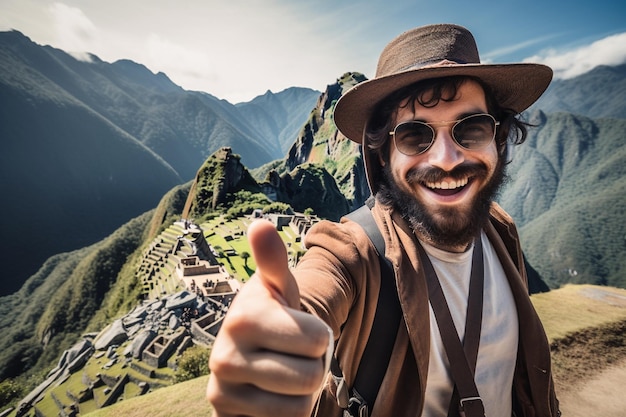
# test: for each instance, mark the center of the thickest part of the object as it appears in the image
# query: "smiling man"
(434, 125)
(443, 187)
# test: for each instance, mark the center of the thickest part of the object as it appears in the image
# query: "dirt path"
(601, 395)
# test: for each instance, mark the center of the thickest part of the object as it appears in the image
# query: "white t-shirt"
(498, 338)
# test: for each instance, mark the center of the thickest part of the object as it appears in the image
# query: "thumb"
(272, 263)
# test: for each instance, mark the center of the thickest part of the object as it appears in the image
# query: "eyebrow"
(458, 117)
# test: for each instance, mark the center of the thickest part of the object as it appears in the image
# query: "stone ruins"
(132, 349)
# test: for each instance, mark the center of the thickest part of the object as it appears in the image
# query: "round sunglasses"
(472, 132)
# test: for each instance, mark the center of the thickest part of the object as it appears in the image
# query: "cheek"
(491, 157)
(400, 165)
(397, 164)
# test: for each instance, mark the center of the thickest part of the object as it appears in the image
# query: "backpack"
(358, 400)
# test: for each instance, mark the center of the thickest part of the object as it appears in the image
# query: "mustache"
(435, 174)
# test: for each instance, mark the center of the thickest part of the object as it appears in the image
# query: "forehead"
(444, 104)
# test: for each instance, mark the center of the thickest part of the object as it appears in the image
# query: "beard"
(444, 226)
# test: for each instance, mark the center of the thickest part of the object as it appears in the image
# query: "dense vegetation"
(567, 196)
(193, 363)
(56, 305)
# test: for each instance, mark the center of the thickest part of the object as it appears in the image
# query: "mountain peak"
(141, 75)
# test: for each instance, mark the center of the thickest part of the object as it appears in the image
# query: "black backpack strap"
(359, 400)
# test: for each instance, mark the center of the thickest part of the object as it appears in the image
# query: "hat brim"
(516, 86)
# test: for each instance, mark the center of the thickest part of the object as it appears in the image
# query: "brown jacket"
(339, 282)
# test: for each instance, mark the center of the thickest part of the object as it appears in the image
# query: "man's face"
(445, 192)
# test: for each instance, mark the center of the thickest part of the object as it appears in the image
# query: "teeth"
(448, 185)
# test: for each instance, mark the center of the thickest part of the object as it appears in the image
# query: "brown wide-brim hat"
(435, 51)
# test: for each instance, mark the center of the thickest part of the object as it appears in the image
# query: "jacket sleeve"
(332, 273)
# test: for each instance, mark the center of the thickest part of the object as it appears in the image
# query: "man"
(434, 125)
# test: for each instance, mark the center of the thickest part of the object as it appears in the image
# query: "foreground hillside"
(585, 324)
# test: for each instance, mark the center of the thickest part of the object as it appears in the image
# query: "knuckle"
(314, 377)
(320, 338)
(241, 320)
(292, 406)
(215, 395)
(302, 406)
(224, 362)
(218, 363)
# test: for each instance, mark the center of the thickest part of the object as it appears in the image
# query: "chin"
(444, 226)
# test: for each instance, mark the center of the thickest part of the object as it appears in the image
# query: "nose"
(444, 152)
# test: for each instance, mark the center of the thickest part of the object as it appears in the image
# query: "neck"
(459, 247)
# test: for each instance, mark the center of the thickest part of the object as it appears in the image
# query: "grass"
(186, 399)
(576, 307)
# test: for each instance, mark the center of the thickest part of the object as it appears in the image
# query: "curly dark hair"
(382, 120)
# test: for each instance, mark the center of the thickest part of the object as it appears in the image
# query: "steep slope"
(598, 93)
(320, 143)
(68, 176)
(280, 116)
(567, 196)
(56, 304)
(217, 183)
(148, 107)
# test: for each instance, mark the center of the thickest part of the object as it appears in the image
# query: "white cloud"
(75, 32)
(187, 63)
(236, 56)
(493, 56)
(571, 63)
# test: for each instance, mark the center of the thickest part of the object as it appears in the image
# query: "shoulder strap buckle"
(472, 406)
(357, 406)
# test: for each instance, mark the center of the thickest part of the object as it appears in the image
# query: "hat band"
(430, 64)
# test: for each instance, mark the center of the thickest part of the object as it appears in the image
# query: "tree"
(194, 362)
(245, 255)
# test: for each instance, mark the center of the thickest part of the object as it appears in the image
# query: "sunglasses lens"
(413, 138)
(475, 132)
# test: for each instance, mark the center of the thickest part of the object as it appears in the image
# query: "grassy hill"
(186, 399)
(589, 315)
(587, 327)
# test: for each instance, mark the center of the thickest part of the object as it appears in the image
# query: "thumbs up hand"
(268, 358)
(270, 256)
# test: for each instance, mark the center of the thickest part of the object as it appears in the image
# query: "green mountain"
(598, 93)
(279, 116)
(86, 146)
(321, 147)
(567, 194)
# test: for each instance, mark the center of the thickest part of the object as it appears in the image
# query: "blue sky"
(238, 49)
